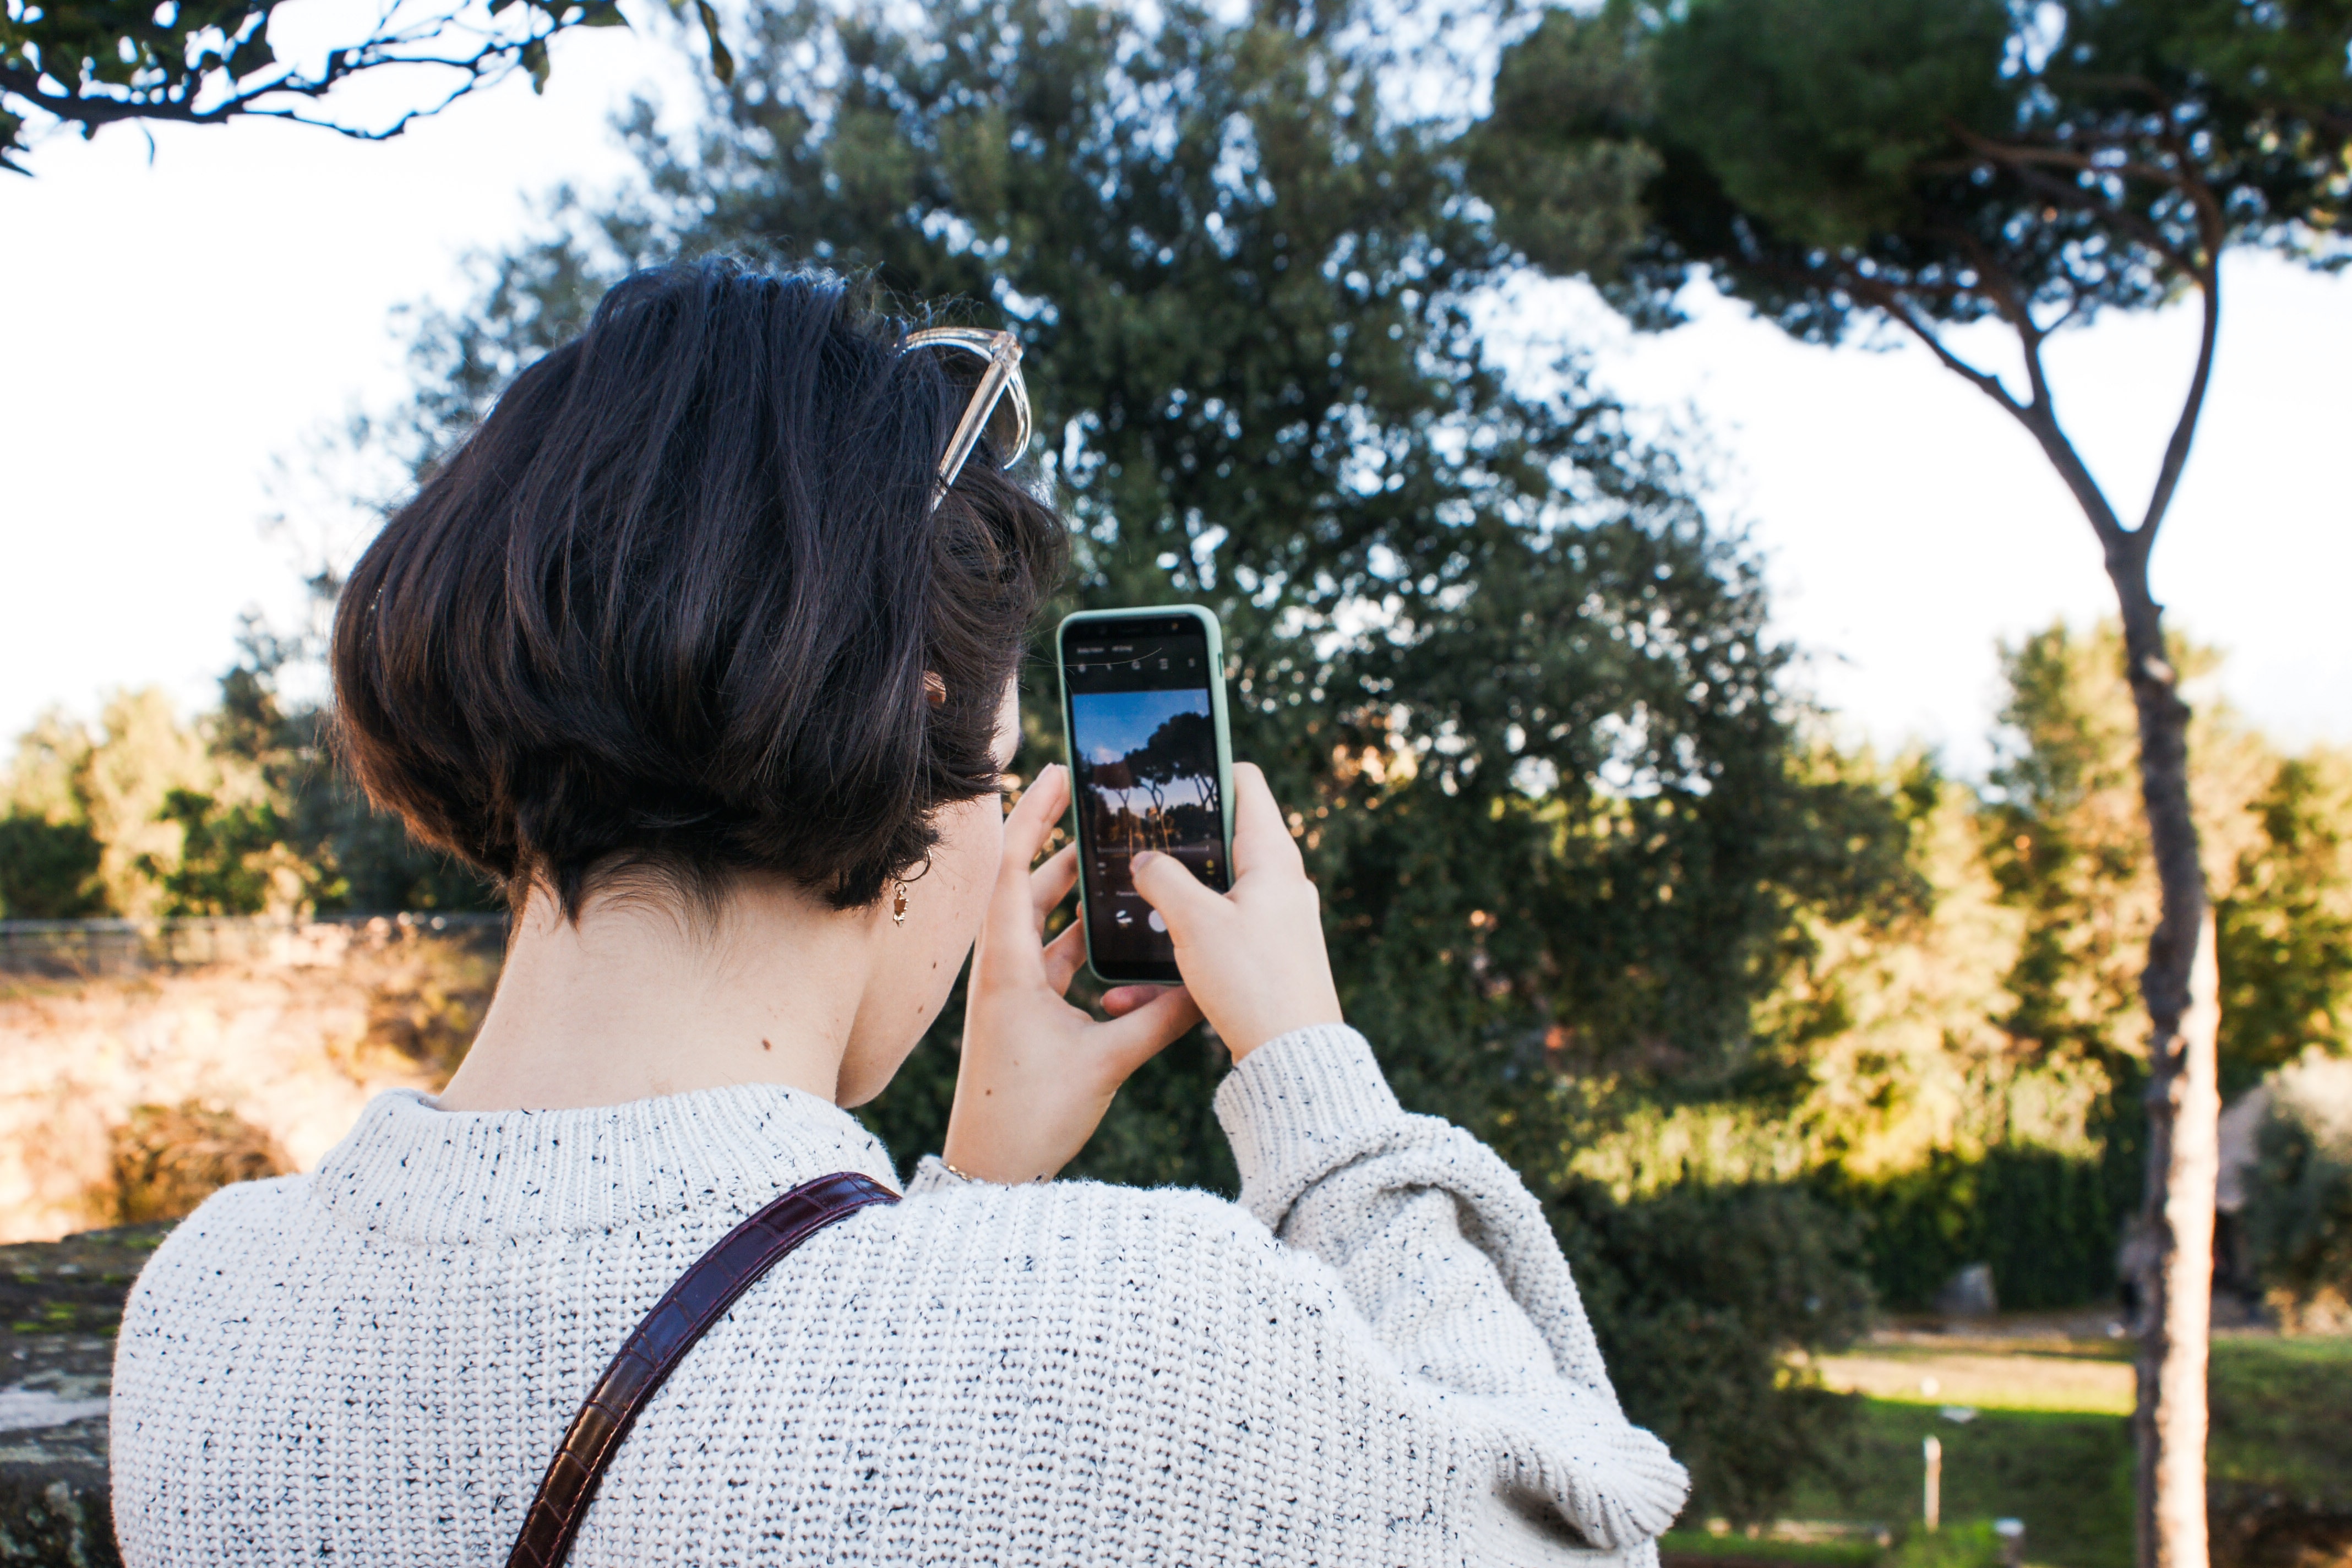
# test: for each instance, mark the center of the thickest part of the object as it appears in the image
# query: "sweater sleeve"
(1436, 1242)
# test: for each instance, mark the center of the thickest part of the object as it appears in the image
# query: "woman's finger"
(1122, 1000)
(1183, 900)
(1261, 838)
(1032, 822)
(1129, 1042)
(1051, 883)
(1063, 956)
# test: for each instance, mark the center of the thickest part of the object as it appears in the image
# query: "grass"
(2283, 1418)
(1740, 1548)
(2066, 1474)
(2049, 1443)
(2096, 1381)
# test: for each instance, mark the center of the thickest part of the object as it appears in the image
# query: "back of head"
(672, 608)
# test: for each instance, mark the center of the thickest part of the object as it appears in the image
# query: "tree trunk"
(2181, 987)
(2174, 1266)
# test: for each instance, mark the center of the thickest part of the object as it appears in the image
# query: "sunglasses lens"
(1008, 424)
(1007, 427)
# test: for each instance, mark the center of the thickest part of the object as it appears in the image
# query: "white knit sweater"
(1376, 1358)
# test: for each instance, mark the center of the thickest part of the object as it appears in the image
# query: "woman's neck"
(638, 999)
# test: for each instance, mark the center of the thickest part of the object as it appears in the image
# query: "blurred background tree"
(1920, 165)
(241, 813)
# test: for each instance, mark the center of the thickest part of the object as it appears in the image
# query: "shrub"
(49, 870)
(2298, 1214)
(2047, 1223)
(170, 1158)
(1698, 1293)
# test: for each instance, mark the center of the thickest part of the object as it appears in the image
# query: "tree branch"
(2027, 165)
(1885, 298)
(100, 109)
(2074, 196)
(2176, 451)
(2037, 417)
(2184, 430)
(163, 90)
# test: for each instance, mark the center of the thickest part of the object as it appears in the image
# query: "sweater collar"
(412, 1172)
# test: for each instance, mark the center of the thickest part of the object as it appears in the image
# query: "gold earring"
(898, 905)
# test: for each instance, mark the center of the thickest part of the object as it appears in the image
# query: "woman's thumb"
(1169, 886)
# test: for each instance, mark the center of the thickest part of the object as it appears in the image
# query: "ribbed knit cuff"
(933, 1175)
(1298, 1108)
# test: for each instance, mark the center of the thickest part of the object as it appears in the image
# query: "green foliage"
(1562, 142)
(1936, 160)
(326, 848)
(2064, 842)
(1554, 780)
(1680, 1546)
(2064, 837)
(1961, 1068)
(1684, 1285)
(2286, 928)
(49, 870)
(112, 782)
(1815, 114)
(224, 857)
(242, 813)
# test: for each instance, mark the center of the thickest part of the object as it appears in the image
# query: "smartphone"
(1151, 767)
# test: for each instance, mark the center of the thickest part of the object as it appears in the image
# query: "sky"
(1113, 724)
(181, 329)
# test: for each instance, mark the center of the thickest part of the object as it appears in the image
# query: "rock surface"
(61, 1303)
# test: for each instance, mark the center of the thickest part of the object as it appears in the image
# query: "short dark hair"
(670, 608)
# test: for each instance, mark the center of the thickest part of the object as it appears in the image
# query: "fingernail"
(1143, 857)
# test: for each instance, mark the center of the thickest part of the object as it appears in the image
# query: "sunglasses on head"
(989, 364)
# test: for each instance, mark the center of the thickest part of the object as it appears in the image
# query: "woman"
(705, 644)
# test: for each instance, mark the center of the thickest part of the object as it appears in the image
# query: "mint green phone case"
(1214, 636)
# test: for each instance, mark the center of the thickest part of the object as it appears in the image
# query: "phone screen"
(1143, 744)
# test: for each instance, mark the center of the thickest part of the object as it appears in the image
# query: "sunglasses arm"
(1002, 363)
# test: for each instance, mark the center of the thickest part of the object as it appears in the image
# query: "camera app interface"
(1145, 750)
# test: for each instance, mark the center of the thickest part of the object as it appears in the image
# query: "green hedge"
(2048, 1223)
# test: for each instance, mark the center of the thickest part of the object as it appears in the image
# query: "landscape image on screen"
(1148, 780)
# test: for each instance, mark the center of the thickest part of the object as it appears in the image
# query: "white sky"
(172, 329)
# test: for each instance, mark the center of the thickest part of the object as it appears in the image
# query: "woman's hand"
(1037, 1072)
(1254, 957)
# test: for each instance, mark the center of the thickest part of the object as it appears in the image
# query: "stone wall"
(127, 1097)
(131, 1093)
(60, 1304)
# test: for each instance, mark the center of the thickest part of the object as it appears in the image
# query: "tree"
(1173, 753)
(91, 63)
(2286, 926)
(1516, 688)
(240, 812)
(1928, 163)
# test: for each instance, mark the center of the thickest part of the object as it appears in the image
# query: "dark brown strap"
(699, 1298)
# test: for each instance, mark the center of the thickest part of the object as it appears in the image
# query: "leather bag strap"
(699, 1298)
